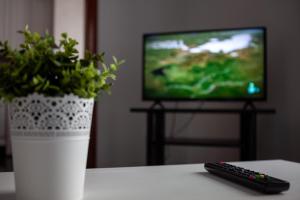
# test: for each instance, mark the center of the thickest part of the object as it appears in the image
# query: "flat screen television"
(227, 64)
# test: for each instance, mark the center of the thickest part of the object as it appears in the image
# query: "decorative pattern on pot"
(40, 116)
(50, 138)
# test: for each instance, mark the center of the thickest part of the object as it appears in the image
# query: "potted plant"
(51, 93)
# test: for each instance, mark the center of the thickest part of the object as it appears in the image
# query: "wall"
(69, 16)
(121, 134)
(15, 14)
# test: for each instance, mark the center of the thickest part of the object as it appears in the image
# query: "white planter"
(50, 137)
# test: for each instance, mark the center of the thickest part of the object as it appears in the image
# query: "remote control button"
(262, 176)
(257, 176)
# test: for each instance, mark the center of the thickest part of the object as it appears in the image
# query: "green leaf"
(46, 85)
(113, 67)
(35, 81)
(115, 59)
(64, 35)
(105, 67)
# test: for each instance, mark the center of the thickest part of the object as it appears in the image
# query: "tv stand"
(156, 139)
(249, 106)
(157, 104)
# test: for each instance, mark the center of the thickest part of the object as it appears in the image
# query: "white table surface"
(174, 182)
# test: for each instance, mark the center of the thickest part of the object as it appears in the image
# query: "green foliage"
(44, 67)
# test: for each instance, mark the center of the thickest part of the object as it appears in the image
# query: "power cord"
(176, 132)
(173, 131)
(173, 121)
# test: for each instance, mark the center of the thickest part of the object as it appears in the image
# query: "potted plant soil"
(51, 93)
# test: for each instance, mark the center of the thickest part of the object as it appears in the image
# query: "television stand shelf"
(181, 141)
(156, 140)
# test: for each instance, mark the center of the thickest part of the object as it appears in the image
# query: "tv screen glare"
(205, 65)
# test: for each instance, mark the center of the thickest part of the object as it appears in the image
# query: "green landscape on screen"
(204, 65)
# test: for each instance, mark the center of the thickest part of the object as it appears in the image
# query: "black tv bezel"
(244, 99)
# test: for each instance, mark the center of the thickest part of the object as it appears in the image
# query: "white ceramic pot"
(50, 137)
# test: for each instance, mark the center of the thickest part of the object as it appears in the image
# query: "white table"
(174, 182)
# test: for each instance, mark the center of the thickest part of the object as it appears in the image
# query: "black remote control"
(252, 179)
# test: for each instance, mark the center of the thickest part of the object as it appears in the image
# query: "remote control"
(248, 178)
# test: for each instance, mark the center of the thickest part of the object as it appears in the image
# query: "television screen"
(205, 65)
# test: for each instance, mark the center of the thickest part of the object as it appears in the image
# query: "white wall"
(15, 14)
(69, 16)
(121, 134)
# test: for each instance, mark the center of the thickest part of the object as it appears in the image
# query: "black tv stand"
(157, 104)
(249, 106)
(156, 139)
